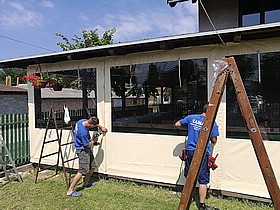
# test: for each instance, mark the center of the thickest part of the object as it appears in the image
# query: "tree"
(88, 39)
(14, 73)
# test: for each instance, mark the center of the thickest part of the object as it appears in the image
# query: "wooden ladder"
(228, 68)
(52, 119)
(6, 161)
(61, 153)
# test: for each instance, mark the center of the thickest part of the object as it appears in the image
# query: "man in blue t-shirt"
(193, 124)
(83, 144)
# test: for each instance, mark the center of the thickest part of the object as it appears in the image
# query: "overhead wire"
(22, 42)
(211, 22)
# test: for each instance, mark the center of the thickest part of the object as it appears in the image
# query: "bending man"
(83, 144)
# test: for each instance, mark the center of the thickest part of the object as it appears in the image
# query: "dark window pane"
(272, 16)
(259, 12)
(251, 19)
(150, 98)
(78, 93)
(261, 77)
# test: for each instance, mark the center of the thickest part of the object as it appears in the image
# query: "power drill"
(211, 162)
(183, 155)
(94, 136)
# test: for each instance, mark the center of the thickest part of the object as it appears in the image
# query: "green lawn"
(108, 194)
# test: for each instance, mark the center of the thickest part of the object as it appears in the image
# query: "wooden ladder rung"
(67, 143)
(50, 141)
(66, 161)
(46, 168)
(54, 153)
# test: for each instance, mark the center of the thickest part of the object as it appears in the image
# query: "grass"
(108, 194)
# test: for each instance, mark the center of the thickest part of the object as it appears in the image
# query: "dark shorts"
(204, 175)
(86, 161)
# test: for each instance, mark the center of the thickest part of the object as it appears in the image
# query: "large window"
(258, 12)
(77, 92)
(261, 77)
(151, 97)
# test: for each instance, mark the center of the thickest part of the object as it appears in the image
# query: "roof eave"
(163, 43)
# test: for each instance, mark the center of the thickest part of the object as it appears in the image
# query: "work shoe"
(90, 185)
(75, 194)
(205, 207)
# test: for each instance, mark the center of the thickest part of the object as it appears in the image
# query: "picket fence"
(14, 130)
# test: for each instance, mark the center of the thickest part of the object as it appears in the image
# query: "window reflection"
(77, 92)
(261, 77)
(150, 97)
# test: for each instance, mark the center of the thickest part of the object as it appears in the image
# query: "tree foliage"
(88, 39)
(14, 73)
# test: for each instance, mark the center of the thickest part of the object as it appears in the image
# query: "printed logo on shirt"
(76, 128)
(196, 124)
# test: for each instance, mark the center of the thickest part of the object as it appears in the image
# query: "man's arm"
(180, 126)
(103, 129)
(90, 144)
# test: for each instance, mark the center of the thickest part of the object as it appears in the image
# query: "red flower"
(34, 79)
(52, 84)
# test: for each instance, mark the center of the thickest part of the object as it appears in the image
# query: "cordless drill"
(211, 162)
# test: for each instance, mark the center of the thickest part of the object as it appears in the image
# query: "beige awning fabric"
(155, 157)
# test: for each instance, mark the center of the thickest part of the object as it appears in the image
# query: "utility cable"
(206, 13)
(26, 43)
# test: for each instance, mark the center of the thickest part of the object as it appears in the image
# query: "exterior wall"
(13, 104)
(155, 157)
(224, 15)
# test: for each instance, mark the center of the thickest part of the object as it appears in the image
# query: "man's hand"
(96, 143)
(213, 139)
(103, 129)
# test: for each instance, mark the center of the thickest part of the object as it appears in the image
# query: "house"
(66, 97)
(142, 142)
(13, 100)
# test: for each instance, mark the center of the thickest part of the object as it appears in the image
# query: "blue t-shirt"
(194, 123)
(81, 136)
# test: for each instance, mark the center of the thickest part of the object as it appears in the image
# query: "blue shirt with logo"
(194, 123)
(81, 136)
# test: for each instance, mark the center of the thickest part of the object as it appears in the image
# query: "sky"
(28, 27)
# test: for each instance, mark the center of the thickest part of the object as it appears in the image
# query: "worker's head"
(93, 121)
(205, 107)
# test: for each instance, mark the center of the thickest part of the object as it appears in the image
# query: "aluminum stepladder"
(7, 160)
(225, 71)
(52, 119)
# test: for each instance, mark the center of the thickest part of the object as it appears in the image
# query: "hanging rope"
(211, 22)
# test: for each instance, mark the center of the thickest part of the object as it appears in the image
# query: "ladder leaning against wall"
(61, 153)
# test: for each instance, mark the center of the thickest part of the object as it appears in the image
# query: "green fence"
(14, 130)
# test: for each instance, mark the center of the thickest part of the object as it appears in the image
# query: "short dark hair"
(93, 120)
(205, 107)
